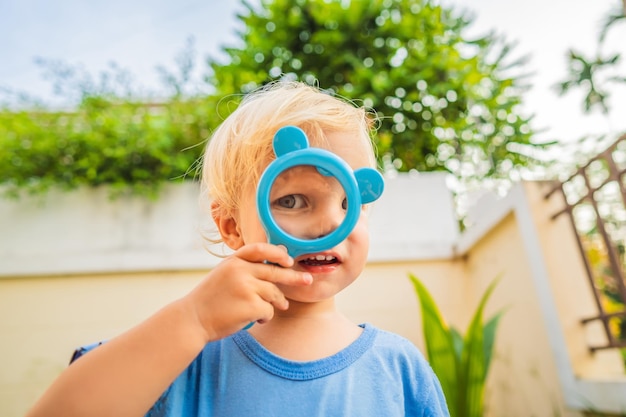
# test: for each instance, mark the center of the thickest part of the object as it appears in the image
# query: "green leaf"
(473, 367)
(461, 363)
(489, 338)
(457, 339)
(439, 344)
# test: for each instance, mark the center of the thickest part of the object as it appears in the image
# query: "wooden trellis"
(596, 205)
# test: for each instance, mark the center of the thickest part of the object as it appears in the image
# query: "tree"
(585, 73)
(446, 102)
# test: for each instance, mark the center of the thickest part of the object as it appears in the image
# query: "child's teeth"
(322, 258)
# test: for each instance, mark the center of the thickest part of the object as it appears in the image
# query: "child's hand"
(242, 289)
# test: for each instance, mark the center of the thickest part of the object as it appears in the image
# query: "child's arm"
(126, 375)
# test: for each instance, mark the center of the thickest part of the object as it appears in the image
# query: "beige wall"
(542, 364)
(523, 380)
(46, 318)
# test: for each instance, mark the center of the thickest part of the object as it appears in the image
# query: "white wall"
(84, 232)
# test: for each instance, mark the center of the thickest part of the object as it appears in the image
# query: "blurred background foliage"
(447, 102)
(598, 77)
(126, 144)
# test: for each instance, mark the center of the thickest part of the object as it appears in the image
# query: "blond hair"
(241, 148)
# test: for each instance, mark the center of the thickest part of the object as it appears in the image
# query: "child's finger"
(279, 275)
(265, 252)
(272, 295)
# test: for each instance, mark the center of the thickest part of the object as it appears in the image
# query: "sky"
(139, 35)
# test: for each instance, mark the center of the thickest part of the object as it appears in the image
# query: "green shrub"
(129, 145)
(460, 363)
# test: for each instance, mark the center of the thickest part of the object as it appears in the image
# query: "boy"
(303, 358)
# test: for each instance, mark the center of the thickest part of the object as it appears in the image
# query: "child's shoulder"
(393, 341)
(394, 347)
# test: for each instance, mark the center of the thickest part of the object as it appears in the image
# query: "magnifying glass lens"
(307, 202)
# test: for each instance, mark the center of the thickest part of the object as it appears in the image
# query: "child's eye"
(344, 204)
(291, 201)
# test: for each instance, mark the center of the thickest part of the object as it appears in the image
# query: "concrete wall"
(45, 318)
(523, 377)
(542, 364)
(77, 268)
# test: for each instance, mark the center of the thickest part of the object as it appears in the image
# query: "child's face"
(309, 205)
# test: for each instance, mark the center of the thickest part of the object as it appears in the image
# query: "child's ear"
(227, 227)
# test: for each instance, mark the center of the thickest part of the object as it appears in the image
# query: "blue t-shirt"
(379, 374)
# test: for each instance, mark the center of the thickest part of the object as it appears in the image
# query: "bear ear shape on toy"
(289, 139)
(371, 184)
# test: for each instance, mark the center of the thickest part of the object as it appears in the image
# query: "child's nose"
(327, 222)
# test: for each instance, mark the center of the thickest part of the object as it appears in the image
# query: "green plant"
(447, 100)
(597, 77)
(112, 132)
(589, 73)
(128, 145)
(460, 363)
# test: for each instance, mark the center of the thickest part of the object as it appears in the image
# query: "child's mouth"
(319, 260)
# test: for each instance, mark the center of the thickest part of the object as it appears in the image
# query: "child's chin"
(309, 295)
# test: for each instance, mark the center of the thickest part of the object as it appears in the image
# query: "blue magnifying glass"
(361, 186)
